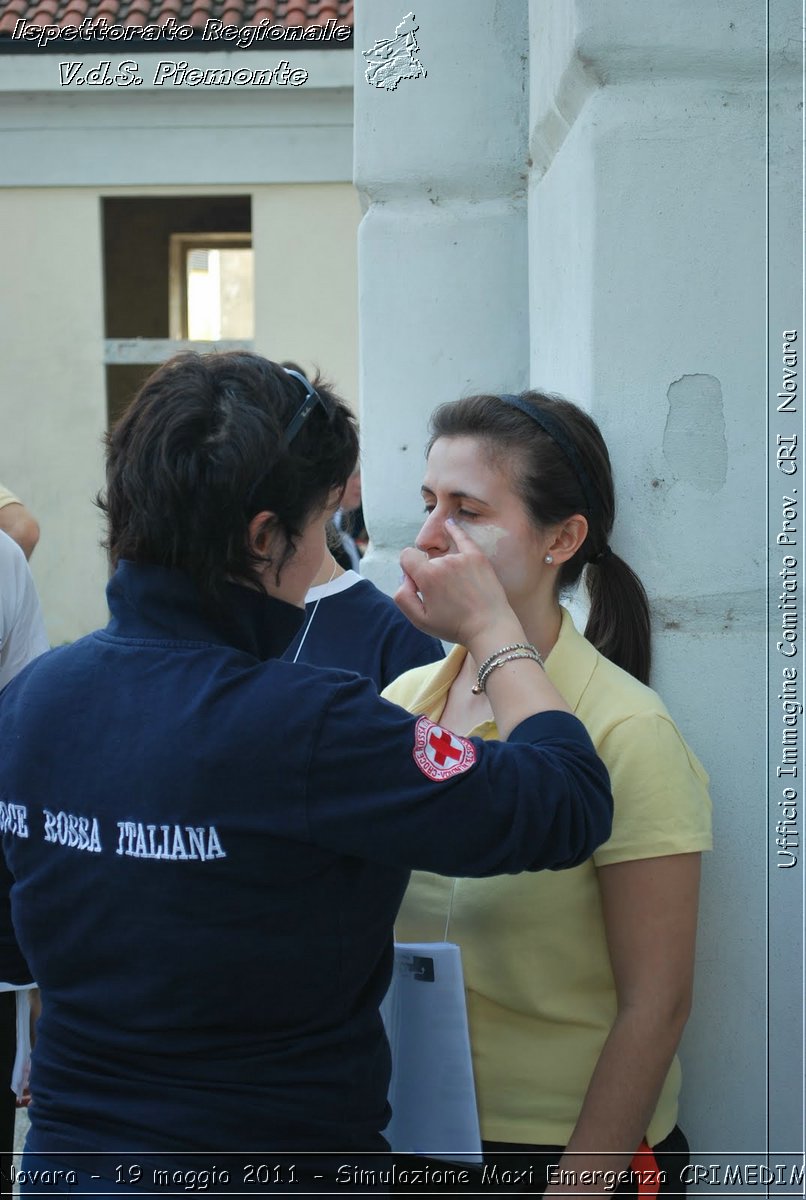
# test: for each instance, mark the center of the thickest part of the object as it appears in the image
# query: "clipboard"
(432, 1092)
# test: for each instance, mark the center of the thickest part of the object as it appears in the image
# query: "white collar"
(333, 587)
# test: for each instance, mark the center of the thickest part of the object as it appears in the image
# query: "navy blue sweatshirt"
(351, 624)
(206, 849)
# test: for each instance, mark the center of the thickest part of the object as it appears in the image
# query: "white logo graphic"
(393, 59)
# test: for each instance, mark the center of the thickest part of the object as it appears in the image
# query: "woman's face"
(461, 481)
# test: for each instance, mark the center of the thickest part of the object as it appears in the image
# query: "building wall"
(53, 392)
(647, 274)
(52, 397)
(306, 284)
(644, 264)
(149, 136)
(61, 151)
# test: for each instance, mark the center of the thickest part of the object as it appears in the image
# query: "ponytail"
(618, 623)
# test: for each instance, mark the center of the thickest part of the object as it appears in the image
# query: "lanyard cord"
(305, 631)
(450, 910)
(450, 913)
(313, 614)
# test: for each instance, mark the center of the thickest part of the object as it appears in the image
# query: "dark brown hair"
(201, 450)
(556, 477)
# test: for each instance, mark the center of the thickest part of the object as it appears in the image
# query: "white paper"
(432, 1092)
(21, 1070)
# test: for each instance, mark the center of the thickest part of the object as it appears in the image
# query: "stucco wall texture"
(574, 198)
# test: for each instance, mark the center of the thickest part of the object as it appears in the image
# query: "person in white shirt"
(18, 522)
(22, 629)
(22, 638)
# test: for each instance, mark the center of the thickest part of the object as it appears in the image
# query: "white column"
(441, 166)
(647, 297)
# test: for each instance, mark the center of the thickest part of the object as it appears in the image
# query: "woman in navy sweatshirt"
(206, 846)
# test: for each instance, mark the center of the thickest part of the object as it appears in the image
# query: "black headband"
(555, 431)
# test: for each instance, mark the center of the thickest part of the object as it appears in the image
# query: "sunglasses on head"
(312, 398)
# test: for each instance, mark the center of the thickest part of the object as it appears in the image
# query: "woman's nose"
(432, 538)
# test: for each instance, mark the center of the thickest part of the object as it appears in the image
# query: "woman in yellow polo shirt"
(578, 982)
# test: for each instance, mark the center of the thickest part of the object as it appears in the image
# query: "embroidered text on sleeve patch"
(439, 753)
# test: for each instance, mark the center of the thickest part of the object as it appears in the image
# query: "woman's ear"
(260, 535)
(568, 537)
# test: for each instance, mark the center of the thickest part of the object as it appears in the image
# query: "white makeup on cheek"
(486, 537)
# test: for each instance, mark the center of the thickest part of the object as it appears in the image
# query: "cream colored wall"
(52, 381)
(306, 305)
(52, 392)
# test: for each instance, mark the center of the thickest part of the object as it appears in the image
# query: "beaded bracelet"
(498, 660)
(506, 650)
(481, 682)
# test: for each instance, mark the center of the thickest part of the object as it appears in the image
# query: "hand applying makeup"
(458, 597)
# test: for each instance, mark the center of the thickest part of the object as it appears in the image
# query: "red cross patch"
(439, 753)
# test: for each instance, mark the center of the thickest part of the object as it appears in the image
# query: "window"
(211, 282)
(166, 291)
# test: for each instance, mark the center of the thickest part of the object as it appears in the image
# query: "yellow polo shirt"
(540, 990)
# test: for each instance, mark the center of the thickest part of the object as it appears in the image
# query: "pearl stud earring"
(549, 558)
